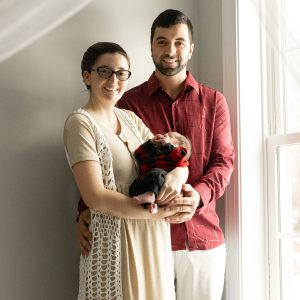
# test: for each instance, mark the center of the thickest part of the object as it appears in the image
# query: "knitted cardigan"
(100, 271)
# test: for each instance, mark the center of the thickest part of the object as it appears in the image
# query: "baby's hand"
(160, 139)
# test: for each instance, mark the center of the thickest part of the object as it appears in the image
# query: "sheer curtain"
(22, 22)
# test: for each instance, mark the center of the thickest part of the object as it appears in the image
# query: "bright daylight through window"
(284, 153)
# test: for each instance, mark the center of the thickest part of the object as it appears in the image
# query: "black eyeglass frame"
(118, 72)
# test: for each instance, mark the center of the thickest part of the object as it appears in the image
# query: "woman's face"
(107, 89)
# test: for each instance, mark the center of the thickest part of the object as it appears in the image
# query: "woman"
(130, 255)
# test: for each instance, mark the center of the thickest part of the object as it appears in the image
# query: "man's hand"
(84, 235)
(183, 207)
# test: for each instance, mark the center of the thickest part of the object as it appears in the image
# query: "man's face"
(171, 49)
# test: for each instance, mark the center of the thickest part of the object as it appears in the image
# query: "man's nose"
(171, 49)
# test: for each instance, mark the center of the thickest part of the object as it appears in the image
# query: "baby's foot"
(152, 208)
(148, 197)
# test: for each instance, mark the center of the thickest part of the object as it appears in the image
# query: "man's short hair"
(169, 18)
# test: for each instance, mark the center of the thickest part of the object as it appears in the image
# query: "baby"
(156, 158)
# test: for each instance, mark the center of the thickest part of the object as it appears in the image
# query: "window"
(284, 216)
(283, 148)
(261, 80)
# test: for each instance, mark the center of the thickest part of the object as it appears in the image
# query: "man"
(172, 100)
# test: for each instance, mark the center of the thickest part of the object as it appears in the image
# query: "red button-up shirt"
(201, 114)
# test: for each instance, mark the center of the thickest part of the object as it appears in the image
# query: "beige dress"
(146, 256)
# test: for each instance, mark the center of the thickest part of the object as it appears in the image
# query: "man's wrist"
(200, 204)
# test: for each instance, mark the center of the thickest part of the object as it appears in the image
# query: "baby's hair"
(182, 141)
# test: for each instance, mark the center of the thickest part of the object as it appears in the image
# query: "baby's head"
(179, 140)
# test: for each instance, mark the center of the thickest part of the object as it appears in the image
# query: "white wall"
(38, 88)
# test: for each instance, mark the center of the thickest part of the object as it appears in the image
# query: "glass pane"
(292, 91)
(291, 63)
(289, 189)
(290, 11)
(290, 268)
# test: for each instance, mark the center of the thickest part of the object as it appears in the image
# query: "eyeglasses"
(106, 72)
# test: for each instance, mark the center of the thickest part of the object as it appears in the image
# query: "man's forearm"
(81, 207)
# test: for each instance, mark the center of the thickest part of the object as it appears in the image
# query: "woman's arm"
(89, 180)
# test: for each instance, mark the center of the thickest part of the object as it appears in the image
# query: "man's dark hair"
(169, 18)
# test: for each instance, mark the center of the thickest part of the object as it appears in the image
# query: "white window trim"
(232, 288)
(246, 197)
(273, 142)
(250, 209)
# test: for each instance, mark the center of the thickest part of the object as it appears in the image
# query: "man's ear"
(191, 50)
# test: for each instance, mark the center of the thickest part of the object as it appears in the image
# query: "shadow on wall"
(39, 259)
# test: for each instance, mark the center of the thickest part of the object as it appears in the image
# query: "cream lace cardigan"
(100, 271)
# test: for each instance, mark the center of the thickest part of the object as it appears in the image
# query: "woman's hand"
(172, 187)
(84, 235)
(184, 207)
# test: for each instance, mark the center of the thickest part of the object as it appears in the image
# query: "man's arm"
(213, 182)
(211, 185)
(84, 235)
(81, 207)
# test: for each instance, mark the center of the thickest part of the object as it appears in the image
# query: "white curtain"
(22, 22)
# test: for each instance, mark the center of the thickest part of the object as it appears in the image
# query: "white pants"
(199, 274)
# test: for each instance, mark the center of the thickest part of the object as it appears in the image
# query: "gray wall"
(38, 88)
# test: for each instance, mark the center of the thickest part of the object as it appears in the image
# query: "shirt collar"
(153, 83)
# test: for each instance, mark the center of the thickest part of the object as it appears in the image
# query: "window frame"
(273, 142)
(240, 63)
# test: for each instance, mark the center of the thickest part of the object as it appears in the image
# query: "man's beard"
(169, 71)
